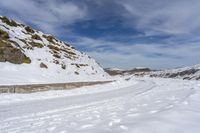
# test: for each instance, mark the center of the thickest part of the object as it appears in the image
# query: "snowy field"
(139, 105)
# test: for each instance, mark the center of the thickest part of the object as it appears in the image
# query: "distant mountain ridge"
(134, 71)
(30, 56)
(189, 73)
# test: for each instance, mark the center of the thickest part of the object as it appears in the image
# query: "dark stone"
(12, 54)
(42, 65)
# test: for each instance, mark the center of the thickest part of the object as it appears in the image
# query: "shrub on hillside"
(27, 60)
(37, 45)
(36, 37)
(3, 34)
(57, 56)
(54, 47)
(63, 66)
(8, 21)
(29, 30)
(49, 38)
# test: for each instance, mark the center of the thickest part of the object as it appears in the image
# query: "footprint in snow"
(153, 111)
(133, 109)
(185, 102)
(87, 126)
(114, 121)
(51, 128)
(133, 115)
(158, 101)
(123, 127)
(169, 107)
(73, 124)
(62, 132)
(144, 105)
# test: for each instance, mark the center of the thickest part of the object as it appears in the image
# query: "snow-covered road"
(32, 107)
(148, 105)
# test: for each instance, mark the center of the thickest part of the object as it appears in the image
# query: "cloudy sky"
(119, 33)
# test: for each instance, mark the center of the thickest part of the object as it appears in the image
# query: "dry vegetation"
(29, 29)
(36, 37)
(35, 44)
(63, 66)
(9, 22)
(49, 38)
(79, 65)
(3, 35)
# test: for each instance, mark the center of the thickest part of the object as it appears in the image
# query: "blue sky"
(119, 33)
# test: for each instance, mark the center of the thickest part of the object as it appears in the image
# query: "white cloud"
(170, 17)
(48, 15)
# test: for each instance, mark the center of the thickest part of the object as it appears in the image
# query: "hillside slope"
(189, 73)
(28, 56)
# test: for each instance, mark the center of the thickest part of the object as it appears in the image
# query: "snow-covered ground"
(139, 105)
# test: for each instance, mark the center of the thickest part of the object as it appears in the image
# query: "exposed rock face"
(10, 53)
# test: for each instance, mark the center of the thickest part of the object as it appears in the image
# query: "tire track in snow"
(17, 110)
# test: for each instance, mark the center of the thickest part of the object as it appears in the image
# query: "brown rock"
(42, 65)
(12, 54)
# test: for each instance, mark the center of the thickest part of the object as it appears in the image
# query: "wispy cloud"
(48, 15)
(170, 17)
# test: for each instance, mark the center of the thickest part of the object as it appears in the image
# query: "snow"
(23, 74)
(12, 74)
(8, 98)
(134, 105)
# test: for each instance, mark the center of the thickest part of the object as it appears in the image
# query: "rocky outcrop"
(9, 53)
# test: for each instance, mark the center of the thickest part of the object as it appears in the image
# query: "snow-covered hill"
(29, 56)
(189, 73)
(192, 72)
